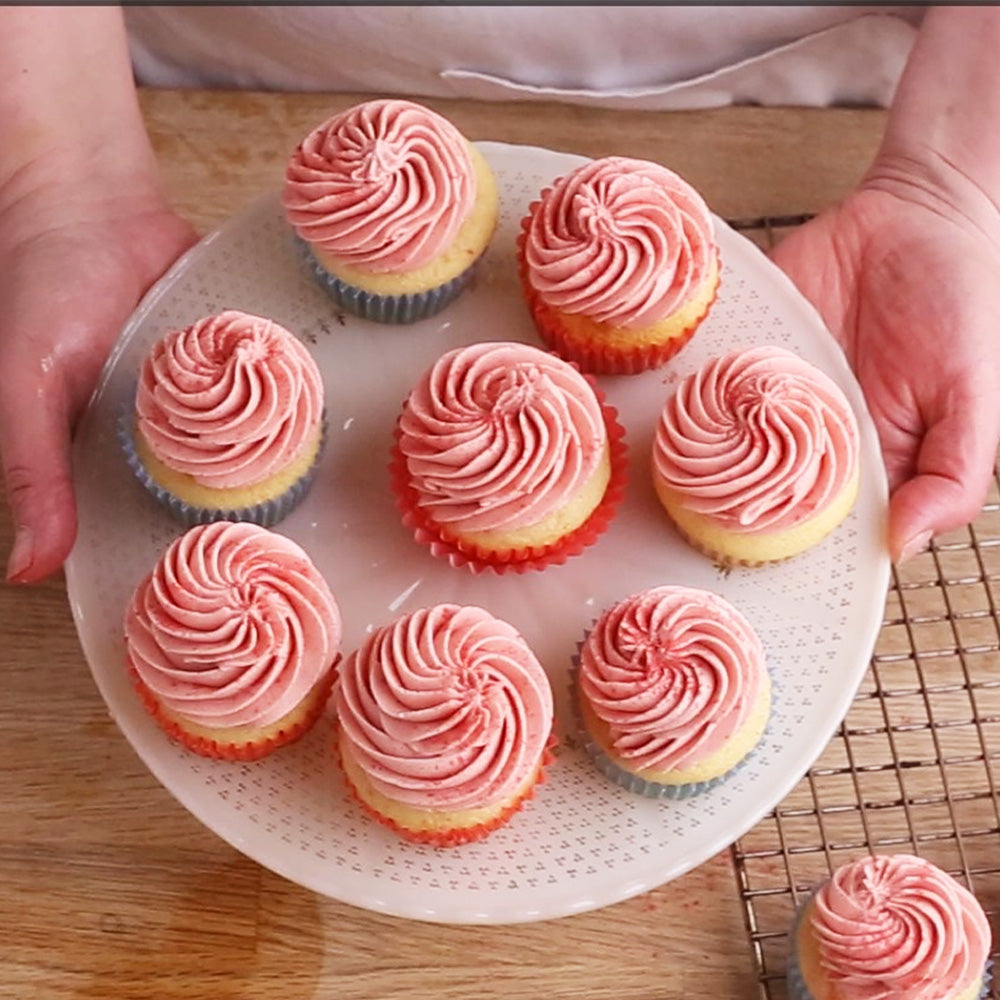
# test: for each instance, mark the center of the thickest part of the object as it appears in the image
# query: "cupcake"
(506, 458)
(394, 207)
(232, 639)
(893, 927)
(672, 691)
(228, 421)
(444, 723)
(756, 456)
(619, 264)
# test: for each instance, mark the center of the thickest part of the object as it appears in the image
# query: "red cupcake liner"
(593, 356)
(535, 557)
(221, 750)
(456, 836)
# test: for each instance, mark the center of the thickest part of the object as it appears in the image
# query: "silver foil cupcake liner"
(795, 982)
(266, 514)
(640, 786)
(390, 309)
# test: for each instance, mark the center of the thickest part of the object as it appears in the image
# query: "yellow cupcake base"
(581, 332)
(264, 503)
(744, 548)
(442, 828)
(550, 529)
(680, 782)
(238, 742)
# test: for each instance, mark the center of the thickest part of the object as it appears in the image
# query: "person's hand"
(909, 281)
(74, 261)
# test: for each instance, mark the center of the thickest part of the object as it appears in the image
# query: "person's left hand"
(910, 286)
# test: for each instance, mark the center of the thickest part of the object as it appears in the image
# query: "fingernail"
(20, 554)
(918, 543)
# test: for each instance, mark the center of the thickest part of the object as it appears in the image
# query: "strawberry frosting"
(231, 400)
(622, 241)
(445, 708)
(674, 672)
(233, 627)
(499, 436)
(898, 928)
(385, 185)
(757, 439)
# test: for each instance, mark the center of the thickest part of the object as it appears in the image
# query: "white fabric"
(609, 56)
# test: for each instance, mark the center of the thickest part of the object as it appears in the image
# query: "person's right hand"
(74, 261)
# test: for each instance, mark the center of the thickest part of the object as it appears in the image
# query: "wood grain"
(111, 889)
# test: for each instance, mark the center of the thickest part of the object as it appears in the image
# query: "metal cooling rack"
(911, 768)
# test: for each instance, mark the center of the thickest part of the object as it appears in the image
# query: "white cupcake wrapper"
(632, 782)
(391, 309)
(266, 514)
(795, 984)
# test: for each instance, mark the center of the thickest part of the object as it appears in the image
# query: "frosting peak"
(231, 400)
(622, 241)
(385, 185)
(674, 672)
(500, 435)
(234, 626)
(445, 708)
(898, 927)
(758, 439)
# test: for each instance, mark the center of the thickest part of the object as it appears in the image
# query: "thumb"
(35, 449)
(954, 470)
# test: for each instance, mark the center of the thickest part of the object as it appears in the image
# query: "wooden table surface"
(110, 889)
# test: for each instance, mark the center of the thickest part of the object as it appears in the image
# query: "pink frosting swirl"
(445, 708)
(233, 627)
(500, 435)
(758, 439)
(898, 928)
(385, 185)
(674, 672)
(622, 241)
(231, 400)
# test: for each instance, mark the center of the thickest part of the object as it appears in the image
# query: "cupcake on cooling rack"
(619, 264)
(756, 456)
(444, 723)
(394, 207)
(892, 927)
(672, 691)
(506, 458)
(232, 640)
(228, 420)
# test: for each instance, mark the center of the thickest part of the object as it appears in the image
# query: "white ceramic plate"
(582, 843)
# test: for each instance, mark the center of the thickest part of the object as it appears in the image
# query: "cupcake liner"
(266, 513)
(594, 356)
(458, 835)
(538, 557)
(220, 750)
(796, 984)
(640, 786)
(392, 309)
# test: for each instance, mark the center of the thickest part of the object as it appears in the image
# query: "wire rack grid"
(911, 768)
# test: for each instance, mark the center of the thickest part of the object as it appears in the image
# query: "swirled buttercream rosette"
(506, 458)
(392, 208)
(444, 724)
(890, 927)
(618, 264)
(671, 692)
(232, 640)
(228, 422)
